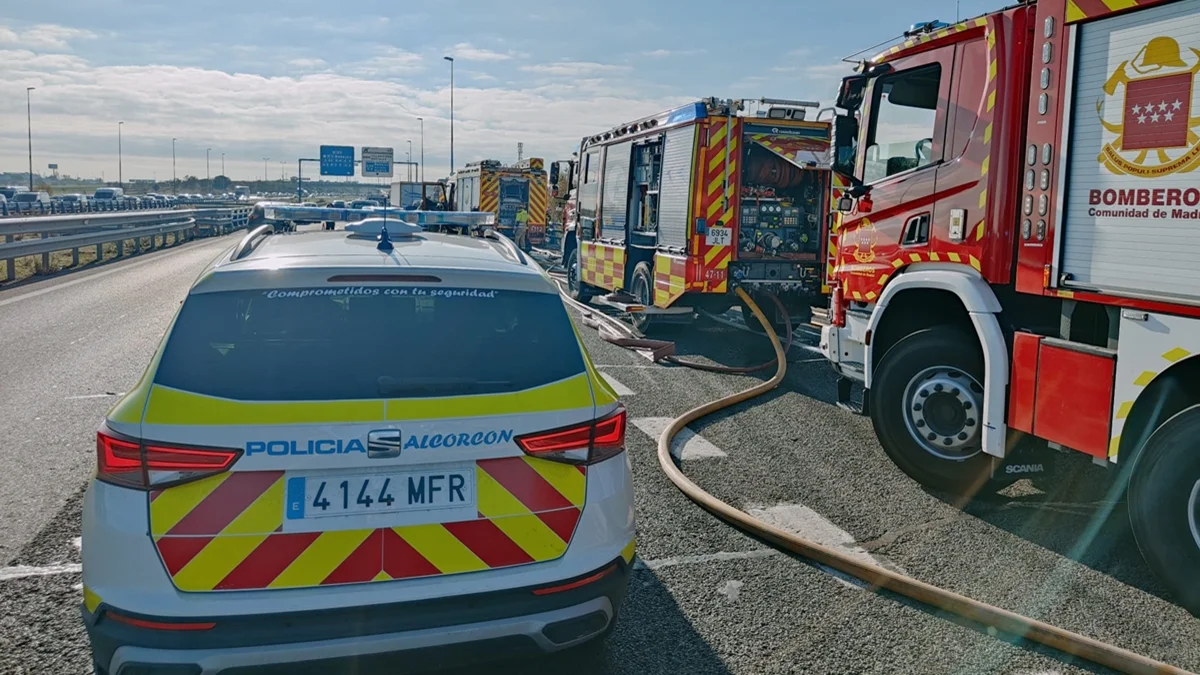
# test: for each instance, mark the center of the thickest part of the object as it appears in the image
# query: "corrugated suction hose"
(1078, 645)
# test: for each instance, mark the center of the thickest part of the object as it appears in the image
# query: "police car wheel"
(1164, 505)
(926, 407)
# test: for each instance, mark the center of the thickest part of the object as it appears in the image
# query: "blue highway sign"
(337, 160)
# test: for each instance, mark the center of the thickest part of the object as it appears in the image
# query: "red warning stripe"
(486, 540)
(267, 561)
(526, 484)
(562, 522)
(225, 503)
(401, 560)
(177, 551)
(362, 565)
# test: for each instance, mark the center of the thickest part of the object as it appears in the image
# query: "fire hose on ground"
(878, 577)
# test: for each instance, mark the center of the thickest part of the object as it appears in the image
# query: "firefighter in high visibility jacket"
(523, 230)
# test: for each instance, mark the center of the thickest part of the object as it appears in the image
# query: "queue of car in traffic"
(17, 200)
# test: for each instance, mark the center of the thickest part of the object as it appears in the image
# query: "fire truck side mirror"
(845, 204)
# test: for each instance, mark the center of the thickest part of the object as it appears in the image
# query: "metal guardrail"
(126, 204)
(72, 232)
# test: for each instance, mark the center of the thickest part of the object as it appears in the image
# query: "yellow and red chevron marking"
(837, 187)
(602, 265)
(1078, 10)
(790, 148)
(715, 202)
(670, 278)
(489, 192)
(906, 258)
(539, 194)
(988, 115)
(226, 532)
(538, 197)
(894, 52)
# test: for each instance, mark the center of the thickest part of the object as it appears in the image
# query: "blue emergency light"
(926, 27)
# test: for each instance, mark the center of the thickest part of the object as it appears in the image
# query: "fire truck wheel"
(579, 291)
(642, 287)
(1164, 505)
(926, 401)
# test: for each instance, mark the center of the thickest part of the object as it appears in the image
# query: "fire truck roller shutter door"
(614, 195)
(675, 188)
(982, 306)
(1132, 206)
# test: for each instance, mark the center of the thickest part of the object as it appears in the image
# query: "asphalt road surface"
(704, 598)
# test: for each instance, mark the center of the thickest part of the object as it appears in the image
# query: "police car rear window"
(337, 343)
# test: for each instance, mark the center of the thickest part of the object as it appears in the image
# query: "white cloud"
(43, 36)
(464, 51)
(657, 53)
(573, 68)
(307, 64)
(388, 61)
(78, 104)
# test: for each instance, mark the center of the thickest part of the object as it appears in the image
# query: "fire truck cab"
(674, 209)
(1016, 278)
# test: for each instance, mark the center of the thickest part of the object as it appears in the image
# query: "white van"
(109, 194)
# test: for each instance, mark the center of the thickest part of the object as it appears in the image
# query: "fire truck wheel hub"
(1194, 513)
(942, 409)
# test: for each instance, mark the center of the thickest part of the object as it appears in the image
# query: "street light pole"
(421, 166)
(410, 166)
(120, 176)
(29, 122)
(451, 60)
(265, 168)
(174, 183)
(223, 165)
(207, 169)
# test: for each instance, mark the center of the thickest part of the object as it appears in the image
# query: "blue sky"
(254, 81)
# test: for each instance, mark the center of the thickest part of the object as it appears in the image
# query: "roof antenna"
(385, 243)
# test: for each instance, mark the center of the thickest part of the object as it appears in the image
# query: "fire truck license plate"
(719, 236)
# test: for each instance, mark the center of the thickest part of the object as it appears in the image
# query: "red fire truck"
(1018, 263)
(675, 208)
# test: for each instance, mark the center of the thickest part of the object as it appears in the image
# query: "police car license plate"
(343, 495)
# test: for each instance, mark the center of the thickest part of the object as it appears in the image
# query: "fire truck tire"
(939, 372)
(1164, 505)
(579, 291)
(641, 286)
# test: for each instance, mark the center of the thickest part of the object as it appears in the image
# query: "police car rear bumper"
(440, 633)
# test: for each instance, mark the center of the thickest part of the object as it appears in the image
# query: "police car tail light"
(134, 463)
(586, 443)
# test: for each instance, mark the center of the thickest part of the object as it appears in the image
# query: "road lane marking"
(703, 558)
(731, 589)
(613, 382)
(803, 521)
(23, 571)
(87, 396)
(687, 445)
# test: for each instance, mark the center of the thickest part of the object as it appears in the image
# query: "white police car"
(351, 451)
